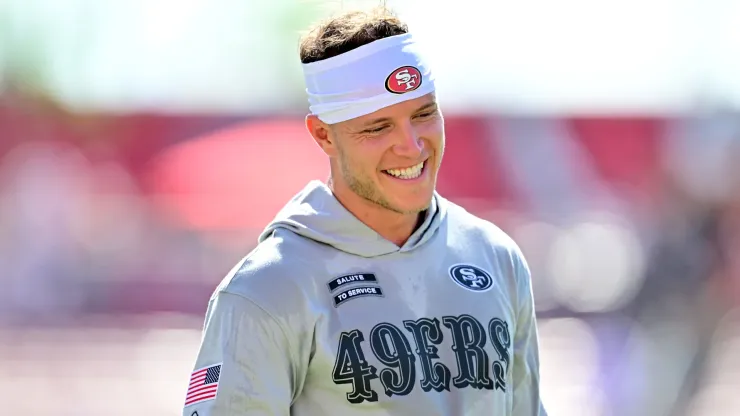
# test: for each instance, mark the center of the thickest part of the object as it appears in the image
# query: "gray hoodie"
(326, 317)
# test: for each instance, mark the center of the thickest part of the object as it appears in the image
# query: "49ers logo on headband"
(403, 79)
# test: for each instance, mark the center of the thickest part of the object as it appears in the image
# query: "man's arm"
(257, 373)
(526, 371)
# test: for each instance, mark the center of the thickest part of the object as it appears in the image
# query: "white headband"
(364, 80)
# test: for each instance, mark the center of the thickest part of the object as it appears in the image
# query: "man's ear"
(322, 135)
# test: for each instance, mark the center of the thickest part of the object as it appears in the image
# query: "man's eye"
(375, 129)
(425, 115)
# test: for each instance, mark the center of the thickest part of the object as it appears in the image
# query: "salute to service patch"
(354, 291)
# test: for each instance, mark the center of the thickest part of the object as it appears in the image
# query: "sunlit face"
(391, 157)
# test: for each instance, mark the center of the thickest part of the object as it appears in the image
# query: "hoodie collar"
(315, 213)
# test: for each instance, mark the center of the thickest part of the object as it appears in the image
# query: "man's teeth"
(407, 173)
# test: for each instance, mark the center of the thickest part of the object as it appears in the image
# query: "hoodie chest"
(429, 319)
(411, 286)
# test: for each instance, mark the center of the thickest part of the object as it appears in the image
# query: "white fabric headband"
(364, 80)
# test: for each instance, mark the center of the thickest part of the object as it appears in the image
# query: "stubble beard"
(364, 187)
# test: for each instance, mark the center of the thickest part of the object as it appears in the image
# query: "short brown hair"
(349, 31)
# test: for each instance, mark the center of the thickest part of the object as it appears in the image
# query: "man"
(371, 294)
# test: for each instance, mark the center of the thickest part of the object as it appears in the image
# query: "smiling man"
(371, 294)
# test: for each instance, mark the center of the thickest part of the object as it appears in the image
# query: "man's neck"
(393, 226)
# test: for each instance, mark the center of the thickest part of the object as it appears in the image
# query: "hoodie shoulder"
(273, 275)
(471, 227)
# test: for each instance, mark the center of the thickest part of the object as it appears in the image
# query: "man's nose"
(408, 143)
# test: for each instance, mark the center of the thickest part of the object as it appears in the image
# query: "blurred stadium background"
(145, 143)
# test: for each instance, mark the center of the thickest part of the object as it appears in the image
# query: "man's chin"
(407, 204)
(406, 207)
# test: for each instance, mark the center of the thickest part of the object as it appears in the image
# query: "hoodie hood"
(316, 214)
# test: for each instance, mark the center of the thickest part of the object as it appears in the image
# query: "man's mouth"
(412, 172)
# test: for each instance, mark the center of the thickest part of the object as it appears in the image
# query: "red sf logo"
(403, 79)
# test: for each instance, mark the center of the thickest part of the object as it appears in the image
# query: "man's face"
(391, 157)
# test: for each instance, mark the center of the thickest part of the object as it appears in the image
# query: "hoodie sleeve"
(526, 371)
(245, 364)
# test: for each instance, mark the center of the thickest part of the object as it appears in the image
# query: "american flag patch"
(203, 385)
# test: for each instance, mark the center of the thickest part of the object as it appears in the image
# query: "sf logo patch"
(402, 80)
(471, 277)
